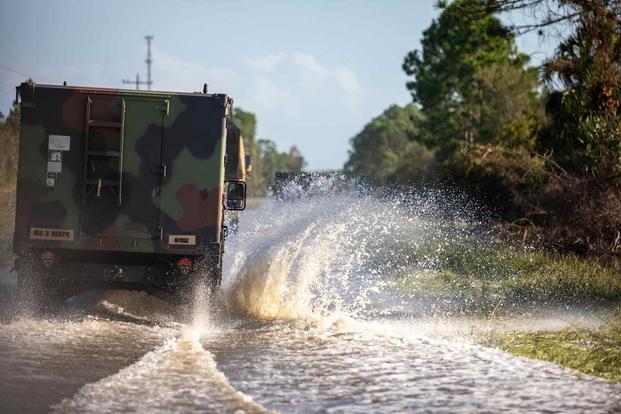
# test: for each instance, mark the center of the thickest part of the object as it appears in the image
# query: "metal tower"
(149, 61)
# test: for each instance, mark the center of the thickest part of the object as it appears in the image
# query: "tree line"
(266, 158)
(9, 142)
(540, 145)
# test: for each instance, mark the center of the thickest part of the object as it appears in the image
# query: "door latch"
(160, 169)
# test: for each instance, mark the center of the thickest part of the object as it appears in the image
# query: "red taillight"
(48, 258)
(184, 263)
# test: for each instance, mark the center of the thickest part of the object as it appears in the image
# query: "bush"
(581, 215)
(509, 179)
(9, 142)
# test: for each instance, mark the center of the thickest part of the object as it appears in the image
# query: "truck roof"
(115, 91)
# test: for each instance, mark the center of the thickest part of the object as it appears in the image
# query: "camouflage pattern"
(122, 172)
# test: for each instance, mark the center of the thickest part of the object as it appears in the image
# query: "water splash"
(335, 254)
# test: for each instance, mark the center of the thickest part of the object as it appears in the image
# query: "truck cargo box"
(109, 175)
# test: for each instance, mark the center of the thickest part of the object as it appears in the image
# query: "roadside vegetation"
(489, 279)
(7, 216)
(266, 158)
(492, 282)
(9, 131)
(541, 146)
(593, 351)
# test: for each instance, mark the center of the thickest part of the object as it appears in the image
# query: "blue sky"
(314, 72)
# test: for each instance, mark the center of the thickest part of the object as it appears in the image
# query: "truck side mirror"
(235, 195)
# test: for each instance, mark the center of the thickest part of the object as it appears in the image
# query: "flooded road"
(311, 324)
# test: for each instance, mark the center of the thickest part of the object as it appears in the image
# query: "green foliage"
(469, 79)
(489, 274)
(247, 123)
(9, 142)
(416, 164)
(504, 106)
(494, 136)
(592, 351)
(273, 161)
(265, 156)
(584, 132)
(386, 144)
(510, 179)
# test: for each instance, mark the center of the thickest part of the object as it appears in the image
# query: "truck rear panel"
(119, 170)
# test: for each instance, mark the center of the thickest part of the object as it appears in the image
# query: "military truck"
(124, 189)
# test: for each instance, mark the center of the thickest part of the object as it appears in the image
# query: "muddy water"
(311, 325)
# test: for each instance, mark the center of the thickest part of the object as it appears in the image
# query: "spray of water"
(336, 254)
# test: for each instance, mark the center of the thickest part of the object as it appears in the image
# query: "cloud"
(280, 83)
(268, 95)
(173, 73)
(354, 92)
(347, 80)
(303, 75)
(313, 73)
(265, 63)
(87, 74)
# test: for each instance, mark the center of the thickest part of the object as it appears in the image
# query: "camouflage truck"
(124, 188)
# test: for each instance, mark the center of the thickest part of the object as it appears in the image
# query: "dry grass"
(578, 215)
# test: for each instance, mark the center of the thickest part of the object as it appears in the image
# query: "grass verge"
(487, 279)
(591, 351)
(493, 275)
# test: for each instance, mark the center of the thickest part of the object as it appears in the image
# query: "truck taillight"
(184, 264)
(48, 258)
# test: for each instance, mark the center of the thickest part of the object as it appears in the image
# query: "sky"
(314, 72)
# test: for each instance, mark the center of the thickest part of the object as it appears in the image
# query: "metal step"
(105, 153)
(104, 124)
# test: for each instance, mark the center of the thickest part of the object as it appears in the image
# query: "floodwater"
(308, 322)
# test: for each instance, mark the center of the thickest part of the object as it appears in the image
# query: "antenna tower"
(148, 61)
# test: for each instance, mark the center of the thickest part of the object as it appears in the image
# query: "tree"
(9, 142)
(247, 123)
(377, 151)
(506, 108)
(295, 160)
(467, 56)
(585, 129)
(266, 158)
(273, 161)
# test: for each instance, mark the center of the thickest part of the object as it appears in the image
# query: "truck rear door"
(123, 167)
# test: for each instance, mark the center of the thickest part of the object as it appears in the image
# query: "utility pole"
(149, 61)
